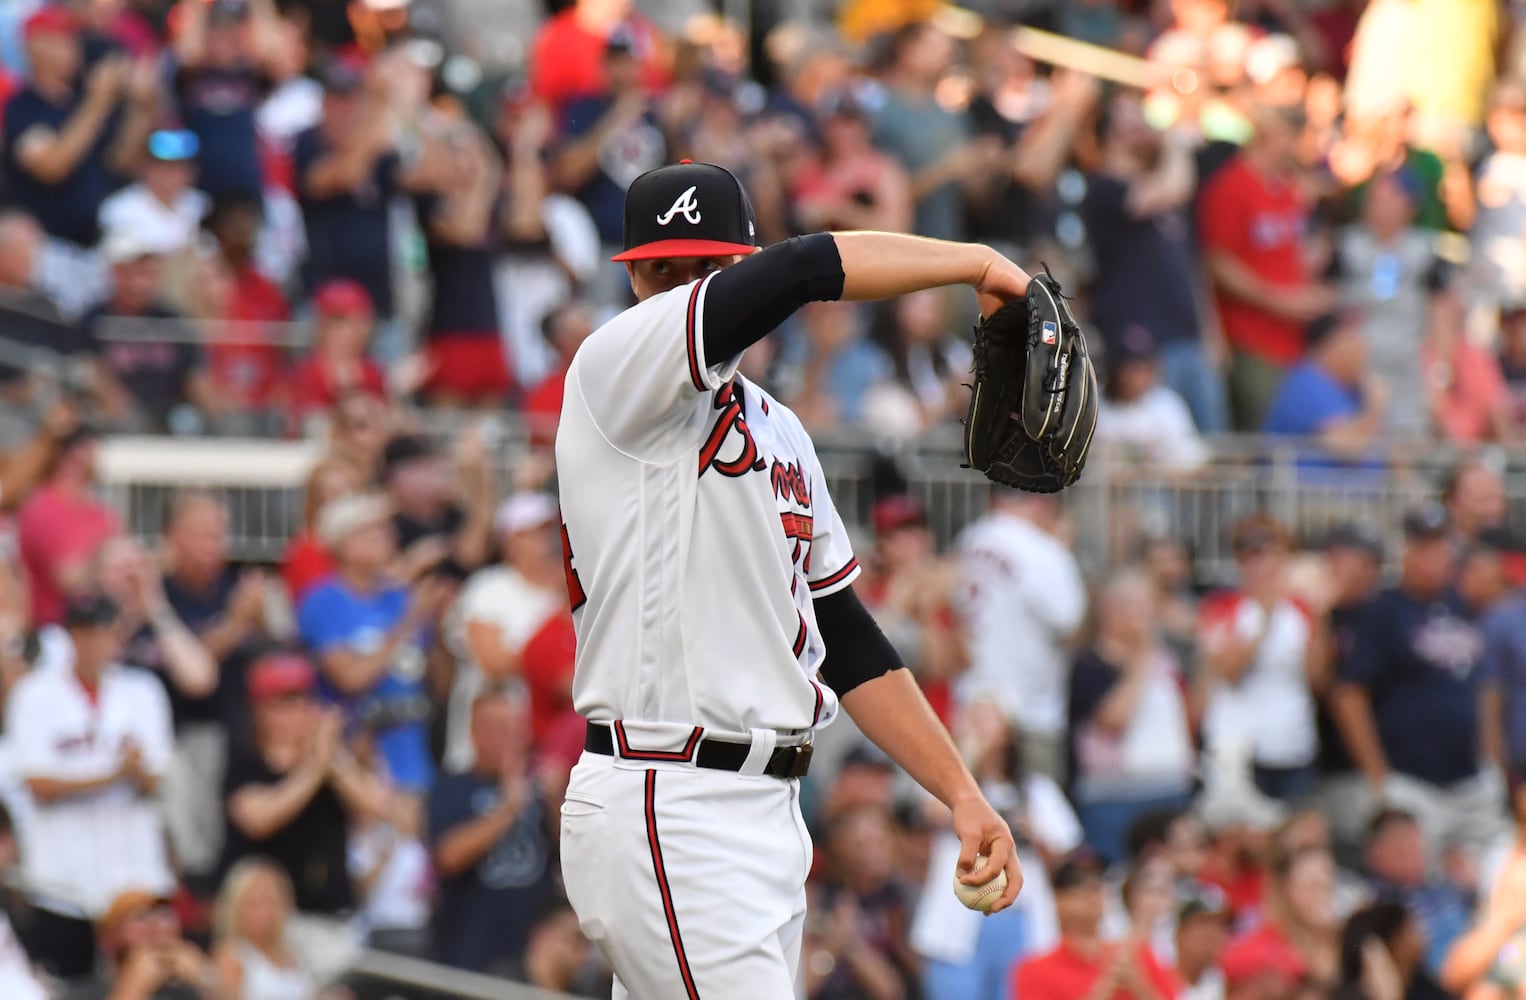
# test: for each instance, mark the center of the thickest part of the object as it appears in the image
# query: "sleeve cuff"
(833, 582)
(702, 375)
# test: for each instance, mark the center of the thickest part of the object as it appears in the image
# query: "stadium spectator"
(1147, 897)
(220, 48)
(28, 317)
(460, 219)
(927, 363)
(1252, 218)
(1480, 963)
(1148, 272)
(291, 796)
(966, 956)
(551, 245)
(500, 609)
(833, 368)
(1414, 667)
(556, 953)
(948, 165)
(493, 840)
(852, 185)
(1259, 661)
(1202, 932)
(91, 740)
(235, 226)
(394, 877)
(1468, 398)
(1300, 930)
(338, 363)
(1020, 589)
(859, 944)
(367, 634)
(1382, 954)
(62, 525)
(65, 136)
(1396, 863)
(564, 327)
(1498, 264)
(252, 925)
(1331, 396)
(567, 54)
(1083, 965)
(435, 517)
(18, 977)
(306, 560)
(147, 956)
(163, 208)
(1474, 495)
(1386, 269)
(149, 364)
(1503, 673)
(347, 174)
(609, 136)
(1354, 554)
(1142, 421)
(1131, 747)
(293, 103)
(360, 425)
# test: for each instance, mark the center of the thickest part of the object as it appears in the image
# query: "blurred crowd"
(318, 219)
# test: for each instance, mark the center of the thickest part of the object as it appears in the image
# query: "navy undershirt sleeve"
(748, 300)
(857, 651)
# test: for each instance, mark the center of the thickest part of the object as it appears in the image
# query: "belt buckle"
(799, 760)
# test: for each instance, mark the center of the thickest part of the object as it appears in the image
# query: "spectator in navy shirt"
(1407, 698)
(65, 145)
(1136, 211)
(609, 140)
(491, 835)
(220, 85)
(367, 635)
(149, 365)
(464, 347)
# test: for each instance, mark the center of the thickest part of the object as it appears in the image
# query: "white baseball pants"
(690, 881)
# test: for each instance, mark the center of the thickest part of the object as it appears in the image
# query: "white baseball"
(980, 897)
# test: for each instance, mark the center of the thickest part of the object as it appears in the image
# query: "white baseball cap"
(343, 516)
(524, 511)
(124, 244)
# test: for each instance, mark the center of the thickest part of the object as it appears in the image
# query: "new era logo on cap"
(687, 210)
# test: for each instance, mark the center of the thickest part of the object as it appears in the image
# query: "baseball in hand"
(980, 897)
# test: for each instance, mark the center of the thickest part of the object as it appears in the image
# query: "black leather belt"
(718, 755)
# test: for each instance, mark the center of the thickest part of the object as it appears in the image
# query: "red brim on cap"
(684, 248)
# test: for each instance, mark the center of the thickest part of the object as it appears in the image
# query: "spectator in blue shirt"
(1331, 398)
(1407, 697)
(1504, 683)
(1395, 856)
(367, 634)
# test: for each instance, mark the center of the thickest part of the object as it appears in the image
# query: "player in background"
(710, 578)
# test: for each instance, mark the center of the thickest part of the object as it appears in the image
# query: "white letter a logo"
(685, 204)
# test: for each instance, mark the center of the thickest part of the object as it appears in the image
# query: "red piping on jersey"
(820, 700)
(660, 870)
(800, 636)
(835, 578)
(683, 756)
(695, 375)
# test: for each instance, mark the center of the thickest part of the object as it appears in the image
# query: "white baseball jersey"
(78, 853)
(697, 528)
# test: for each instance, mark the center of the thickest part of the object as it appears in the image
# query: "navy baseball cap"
(687, 210)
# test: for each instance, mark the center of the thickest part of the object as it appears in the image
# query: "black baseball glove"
(1033, 408)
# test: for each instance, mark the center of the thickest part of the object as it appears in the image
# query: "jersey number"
(575, 593)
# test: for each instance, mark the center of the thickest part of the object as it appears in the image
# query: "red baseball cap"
(279, 675)
(901, 511)
(342, 297)
(51, 18)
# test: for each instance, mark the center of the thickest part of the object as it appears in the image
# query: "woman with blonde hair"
(306, 561)
(253, 960)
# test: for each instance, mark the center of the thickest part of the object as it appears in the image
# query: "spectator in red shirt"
(566, 327)
(545, 662)
(62, 526)
(1083, 965)
(567, 59)
(235, 224)
(1300, 930)
(338, 361)
(1252, 219)
(306, 560)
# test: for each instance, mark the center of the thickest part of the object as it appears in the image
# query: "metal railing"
(377, 975)
(1115, 506)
